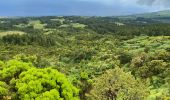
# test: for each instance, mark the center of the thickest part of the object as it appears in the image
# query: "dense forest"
(84, 58)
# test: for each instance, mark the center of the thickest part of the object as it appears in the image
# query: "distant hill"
(159, 14)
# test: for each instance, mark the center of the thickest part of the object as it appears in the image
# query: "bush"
(43, 84)
(22, 81)
(12, 69)
(117, 84)
(145, 66)
(3, 89)
(125, 57)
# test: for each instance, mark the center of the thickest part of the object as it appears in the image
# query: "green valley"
(84, 58)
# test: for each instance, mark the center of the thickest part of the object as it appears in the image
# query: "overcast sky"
(80, 7)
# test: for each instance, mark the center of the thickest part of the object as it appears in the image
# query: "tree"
(43, 84)
(12, 69)
(146, 65)
(117, 84)
(22, 81)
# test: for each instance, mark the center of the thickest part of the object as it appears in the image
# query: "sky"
(80, 7)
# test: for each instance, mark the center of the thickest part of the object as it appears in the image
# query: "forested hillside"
(84, 58)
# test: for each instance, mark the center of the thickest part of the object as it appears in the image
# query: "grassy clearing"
(78, 25)
(11, 32)
(60, 20)
(75, 25)
(36, 24)
(119, 24)
(65, 25)
(2, 21)
(21, 26)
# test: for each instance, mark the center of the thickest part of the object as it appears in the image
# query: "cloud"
(145, 2)
(164, 3)
(79, 7)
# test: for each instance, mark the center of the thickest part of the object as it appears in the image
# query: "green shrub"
(22, 81)
(125, 57)
(117, 84)
(43, 84)
(145, 66)
(3, 89)
(12, 69)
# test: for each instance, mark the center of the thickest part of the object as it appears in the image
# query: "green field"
(11, 32)
(36, 24)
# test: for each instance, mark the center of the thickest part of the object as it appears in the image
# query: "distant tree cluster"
(53, 24)
(101, 25)
(29, 39)
(106, 25)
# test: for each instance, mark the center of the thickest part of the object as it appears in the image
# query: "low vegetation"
(84, 58)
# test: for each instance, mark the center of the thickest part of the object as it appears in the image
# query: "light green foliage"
(3, 89)
(11, 33)
(32, 83)
(74, 25)
(162, 54)
(64, 25)
(1, 65)
(24, 58)
(21, 26)
(45, 83)
(35, 60)
(84, 75)
(161, 93)
(117, 84)
(138, 44)
(78, 25)
(50, 95)
(36, 24)
(86, 49)
(12, 69)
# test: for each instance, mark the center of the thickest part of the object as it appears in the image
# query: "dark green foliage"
(29, 39)
(125, 57)
(53, 24)
(80, 54)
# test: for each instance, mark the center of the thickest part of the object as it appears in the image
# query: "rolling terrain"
(160, 16)
(85, 58)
